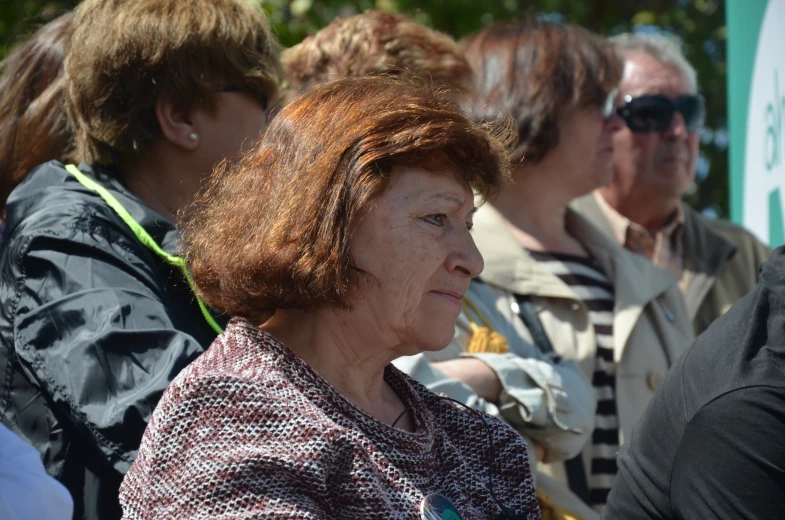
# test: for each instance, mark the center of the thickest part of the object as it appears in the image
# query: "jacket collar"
(51, 181)
(636, 280)
(700, 239)
(705, 251)
(160, 228)
(591, 211)
(509, 266)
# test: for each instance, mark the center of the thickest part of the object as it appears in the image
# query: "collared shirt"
(665, 248)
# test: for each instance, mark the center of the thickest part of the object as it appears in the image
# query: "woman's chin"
(433, 342)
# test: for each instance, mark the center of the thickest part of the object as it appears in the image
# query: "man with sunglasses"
(715, 261)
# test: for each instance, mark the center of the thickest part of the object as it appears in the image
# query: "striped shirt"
(593, 288)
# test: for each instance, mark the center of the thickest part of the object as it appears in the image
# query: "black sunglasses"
(654, 113)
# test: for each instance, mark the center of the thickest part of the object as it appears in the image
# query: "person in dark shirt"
(712, 442)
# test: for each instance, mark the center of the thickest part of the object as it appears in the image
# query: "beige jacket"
(546, 401)
(651, 327)
(721, 261)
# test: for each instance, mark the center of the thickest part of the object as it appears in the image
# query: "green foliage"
(700, 23)
(19, 18)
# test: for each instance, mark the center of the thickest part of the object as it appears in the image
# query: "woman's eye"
(436, 220)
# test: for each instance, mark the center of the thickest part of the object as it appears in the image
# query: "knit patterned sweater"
(248, 430)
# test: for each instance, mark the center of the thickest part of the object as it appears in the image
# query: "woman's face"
(586, 146)
(416, 246)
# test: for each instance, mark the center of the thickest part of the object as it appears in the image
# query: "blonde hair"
(375, 42)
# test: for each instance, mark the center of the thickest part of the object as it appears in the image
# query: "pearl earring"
(193, 137)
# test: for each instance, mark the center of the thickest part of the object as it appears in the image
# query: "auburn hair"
(126, 55)
(273, 230)
(372, 43)
(33, 128)
(539, 71)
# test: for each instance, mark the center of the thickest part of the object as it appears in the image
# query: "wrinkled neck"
(347, 353)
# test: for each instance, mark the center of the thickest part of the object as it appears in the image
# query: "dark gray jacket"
(93, 327)
(710, 444)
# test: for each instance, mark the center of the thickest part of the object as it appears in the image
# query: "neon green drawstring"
(144, 237)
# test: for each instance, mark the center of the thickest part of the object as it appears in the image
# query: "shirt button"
(653, 380)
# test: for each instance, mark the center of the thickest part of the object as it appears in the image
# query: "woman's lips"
(453, 297)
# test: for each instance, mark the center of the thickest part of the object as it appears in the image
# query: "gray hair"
(663, 48)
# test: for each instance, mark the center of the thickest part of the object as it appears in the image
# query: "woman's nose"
(467, 259)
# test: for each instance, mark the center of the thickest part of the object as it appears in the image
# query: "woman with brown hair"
(33, 126)
(341, 242)
(561, 282)
(96, 313)
(515, 385)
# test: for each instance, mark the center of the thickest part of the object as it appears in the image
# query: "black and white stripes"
(592, 287)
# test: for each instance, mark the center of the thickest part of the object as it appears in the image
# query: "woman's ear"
(177, 124)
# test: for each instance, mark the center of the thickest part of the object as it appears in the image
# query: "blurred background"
(700, 24)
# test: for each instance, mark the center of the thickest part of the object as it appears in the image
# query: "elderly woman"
(96, 313)
(548, 401)
(561, 282)
(341, 242)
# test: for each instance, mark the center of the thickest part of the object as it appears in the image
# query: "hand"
(479, 376)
